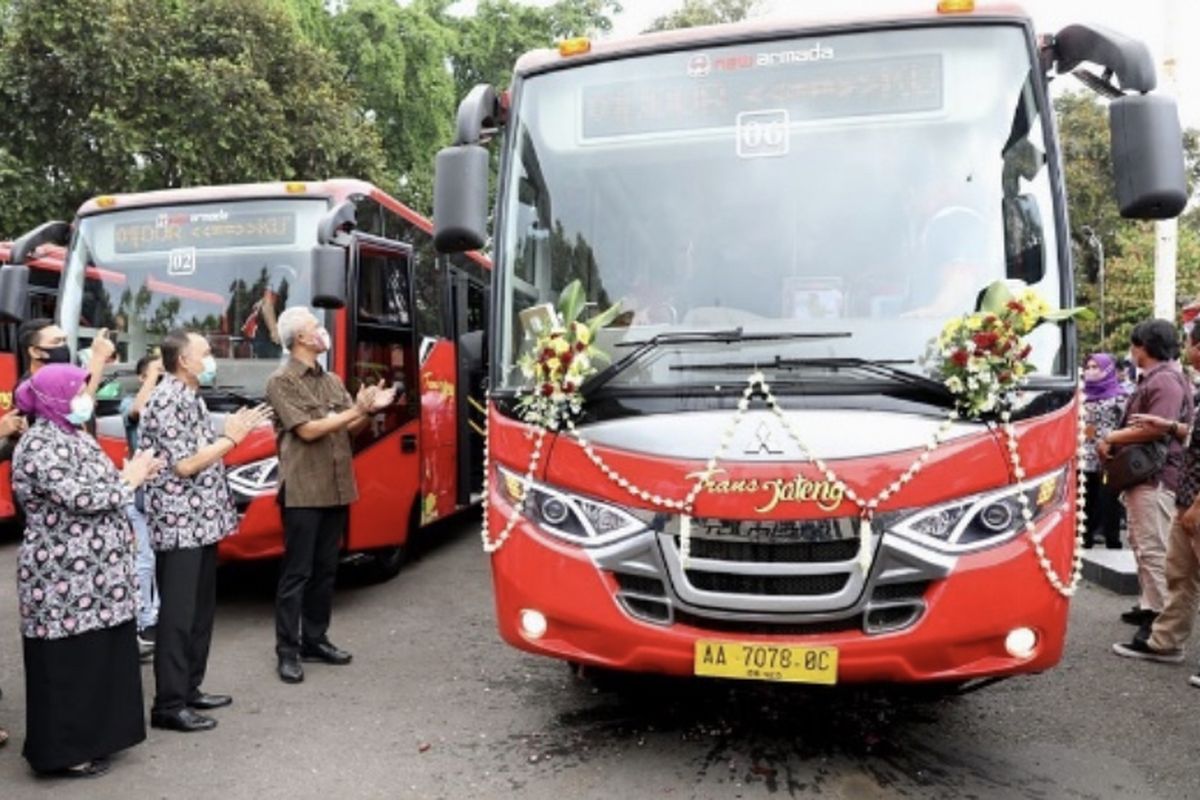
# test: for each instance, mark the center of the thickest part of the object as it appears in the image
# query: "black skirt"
(83, 697)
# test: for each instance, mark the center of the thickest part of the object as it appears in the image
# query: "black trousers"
(1104, 511)
(187, 591)
(304, 602)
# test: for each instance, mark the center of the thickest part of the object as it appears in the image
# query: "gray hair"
(291, 321)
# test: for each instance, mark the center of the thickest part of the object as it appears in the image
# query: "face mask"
(208, 371)
(81, 409)
(56, 355)
(323, 340)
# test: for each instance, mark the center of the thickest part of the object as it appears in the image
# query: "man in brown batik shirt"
(316, 418)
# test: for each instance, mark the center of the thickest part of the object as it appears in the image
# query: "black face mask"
(56, 355)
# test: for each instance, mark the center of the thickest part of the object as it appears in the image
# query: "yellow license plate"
(766, 662)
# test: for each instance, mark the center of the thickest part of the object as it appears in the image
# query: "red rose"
(547, 354)
(580, 347)
(1005, 377)
(565, 359)
(960, 358)
(1017, 306)
(547, 390)
(985, 340)
(568, 388)
(1024, 354)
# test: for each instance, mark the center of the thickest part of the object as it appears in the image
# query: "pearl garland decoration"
(866, 507)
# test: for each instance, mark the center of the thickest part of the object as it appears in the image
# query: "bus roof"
(335, 189)
(773, 27)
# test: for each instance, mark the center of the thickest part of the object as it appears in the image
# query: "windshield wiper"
(883, 367)
(641, 348)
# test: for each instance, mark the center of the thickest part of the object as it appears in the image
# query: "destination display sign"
(202, 230)
(712, 92)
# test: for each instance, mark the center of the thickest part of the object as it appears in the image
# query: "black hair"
(27, 334)
(1158, 338)
(172, 346)
(144, 362)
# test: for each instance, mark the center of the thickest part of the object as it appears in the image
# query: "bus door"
(381, 348)
(468, 320)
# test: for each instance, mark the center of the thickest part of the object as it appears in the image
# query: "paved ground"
(435, 706)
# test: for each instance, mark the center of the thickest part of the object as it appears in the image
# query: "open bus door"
(381, 348)
(468, 318)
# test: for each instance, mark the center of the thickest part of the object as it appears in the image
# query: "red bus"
(787, 215)
(224, 261)
(45, 265)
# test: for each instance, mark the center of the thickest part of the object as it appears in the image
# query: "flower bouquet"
(563, 356)
(983, 356)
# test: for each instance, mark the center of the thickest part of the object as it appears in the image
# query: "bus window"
(383, 288)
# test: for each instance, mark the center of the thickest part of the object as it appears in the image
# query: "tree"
(396, 57)
(126, 95)
(1128, 245)
(704, 12)
(490, 42)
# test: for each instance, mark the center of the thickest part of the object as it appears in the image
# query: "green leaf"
(996, 297)
(604, 317)
(571, 301)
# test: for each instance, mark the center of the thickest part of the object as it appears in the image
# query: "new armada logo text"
(701, 65)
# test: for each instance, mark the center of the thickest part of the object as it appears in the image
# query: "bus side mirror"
(460, 198)
(1024, 239)
(14, 292)
(328, 276)
(1147, 157)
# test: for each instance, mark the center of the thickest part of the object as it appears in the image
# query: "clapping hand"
(239, 424)
(365, 398)
(384, 396)
(12, 424)
(141, 467)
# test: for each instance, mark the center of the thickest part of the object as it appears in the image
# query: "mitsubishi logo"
(763, 444)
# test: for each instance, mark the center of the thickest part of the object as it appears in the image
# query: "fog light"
(1021, 642)
(533, 623)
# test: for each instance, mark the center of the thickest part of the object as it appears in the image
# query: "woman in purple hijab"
(75, 582)
(1103, 407)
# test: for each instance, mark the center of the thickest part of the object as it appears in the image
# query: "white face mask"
(322, 340)
(82, 406)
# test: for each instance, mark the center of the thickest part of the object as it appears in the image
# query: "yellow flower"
(583, 333)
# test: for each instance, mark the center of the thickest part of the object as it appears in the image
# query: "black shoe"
(325, 651)
(88, 769)
(1139, 616)
(290, 670)
(184, 720)
(205, 701)
(1139, 648)
(148, 633)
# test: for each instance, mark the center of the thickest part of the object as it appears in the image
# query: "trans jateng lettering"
(826, 494)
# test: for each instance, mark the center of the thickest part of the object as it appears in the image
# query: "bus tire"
(386, 562)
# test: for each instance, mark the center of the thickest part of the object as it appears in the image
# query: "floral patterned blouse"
(183, 512)
(75, 568)
(1101, 417)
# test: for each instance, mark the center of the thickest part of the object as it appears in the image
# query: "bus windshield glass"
(865, 184)
(224, 270)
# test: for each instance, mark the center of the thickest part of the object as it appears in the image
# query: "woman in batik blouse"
(75, 582)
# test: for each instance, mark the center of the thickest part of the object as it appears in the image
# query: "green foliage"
(127, 95)
(704, 12)
(1128, 245)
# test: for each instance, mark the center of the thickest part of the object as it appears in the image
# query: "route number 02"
(762, 133)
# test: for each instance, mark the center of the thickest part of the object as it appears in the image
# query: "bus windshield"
(224, 270)
(865, 184)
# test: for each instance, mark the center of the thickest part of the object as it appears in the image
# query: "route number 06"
(762, 133)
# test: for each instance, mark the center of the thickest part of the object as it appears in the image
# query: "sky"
(1166, 26)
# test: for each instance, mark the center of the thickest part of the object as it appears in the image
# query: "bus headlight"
(985, 519)
(568, 516)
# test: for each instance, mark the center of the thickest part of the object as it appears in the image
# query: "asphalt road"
(436, 706)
